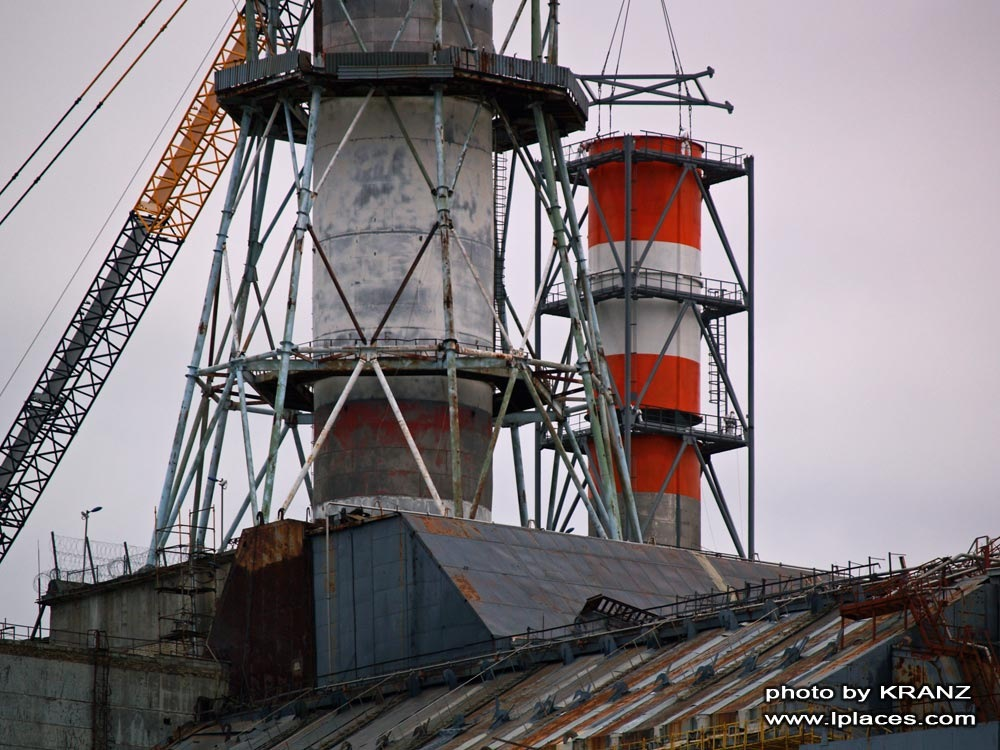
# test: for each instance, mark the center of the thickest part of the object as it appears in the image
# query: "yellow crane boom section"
(197, 153)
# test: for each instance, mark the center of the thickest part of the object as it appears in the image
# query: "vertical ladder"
(186, 593)
(499, 230)
(717, 393)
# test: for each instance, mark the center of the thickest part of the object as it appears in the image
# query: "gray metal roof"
(642, 690)
(518, 579)
(464, 718)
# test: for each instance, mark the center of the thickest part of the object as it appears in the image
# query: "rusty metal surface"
(264, 620)
(623, 697)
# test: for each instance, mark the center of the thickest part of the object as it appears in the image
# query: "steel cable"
(93, 112)
(79, 98)
(678, 68)
(169, 119)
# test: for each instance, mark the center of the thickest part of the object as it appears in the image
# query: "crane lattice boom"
(116, 300)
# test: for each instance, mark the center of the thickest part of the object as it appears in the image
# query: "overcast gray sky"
(874, 127)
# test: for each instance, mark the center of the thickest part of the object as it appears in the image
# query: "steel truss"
(711, 302)
(276, 380)
(154, 231)
(246, 363)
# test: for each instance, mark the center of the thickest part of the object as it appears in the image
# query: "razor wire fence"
(91, 561)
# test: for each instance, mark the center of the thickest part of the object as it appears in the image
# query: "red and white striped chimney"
(669, 390)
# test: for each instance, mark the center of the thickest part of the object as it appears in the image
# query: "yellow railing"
(751, 734)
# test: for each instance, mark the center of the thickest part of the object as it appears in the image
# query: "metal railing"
(14, 632)
(744, 734)
(706, 425)
(719, 153)
(359, 65)
(426, 344)
(505, 66)
(654, 282)
(722, 153)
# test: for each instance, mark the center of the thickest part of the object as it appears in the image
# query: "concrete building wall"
(128, 610)
(47, 697)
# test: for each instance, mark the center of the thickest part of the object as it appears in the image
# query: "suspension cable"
(170, 118)
(80, 97)
(678, 69)
(621, 48)
(93, 112)
(604, 68)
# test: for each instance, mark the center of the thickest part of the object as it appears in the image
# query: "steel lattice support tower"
(657, 313)
(405, 131)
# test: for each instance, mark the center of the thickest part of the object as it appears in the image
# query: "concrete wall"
(128, 609)
(47, 696)
(371, 216)
(379, 21)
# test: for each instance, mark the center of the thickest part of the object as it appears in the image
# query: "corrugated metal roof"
(620, 697)
(646, 704)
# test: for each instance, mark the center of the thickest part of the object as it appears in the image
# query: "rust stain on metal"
(263, 623)
(466, 587)
(281, 541)
(449, 527)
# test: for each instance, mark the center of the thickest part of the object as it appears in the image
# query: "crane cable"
(166, 123)
(678, 69)
(93, 112)
(79, 99)
(607, 57)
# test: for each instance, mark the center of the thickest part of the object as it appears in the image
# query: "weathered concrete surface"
(127, 610)
(379, 23)
(47, 696)
(366, 455)
(372, 215)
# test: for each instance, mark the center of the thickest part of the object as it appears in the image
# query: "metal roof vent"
(618, 690)
(704, 673)
(544, 708)
(793, 653)
(501, 715)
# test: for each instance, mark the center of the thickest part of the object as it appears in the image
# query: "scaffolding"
(186, 591)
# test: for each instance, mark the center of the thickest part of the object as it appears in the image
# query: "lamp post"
(222, 501)
(85, 515)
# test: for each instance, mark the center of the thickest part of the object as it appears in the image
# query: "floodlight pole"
(85, 515)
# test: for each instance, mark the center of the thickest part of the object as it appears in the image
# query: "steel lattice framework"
(257, 366)
(245, 364)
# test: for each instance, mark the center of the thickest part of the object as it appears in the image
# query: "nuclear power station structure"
(431, 265)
